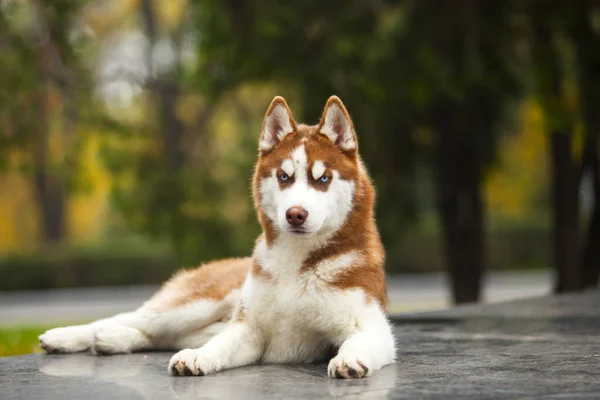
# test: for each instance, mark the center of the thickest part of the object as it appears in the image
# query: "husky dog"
(313, 289)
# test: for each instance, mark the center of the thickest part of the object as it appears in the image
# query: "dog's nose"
(296, 216)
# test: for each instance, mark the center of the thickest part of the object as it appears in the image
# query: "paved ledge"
(576, 305)
(540, 348)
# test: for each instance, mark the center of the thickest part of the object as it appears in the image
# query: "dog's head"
(307, 177)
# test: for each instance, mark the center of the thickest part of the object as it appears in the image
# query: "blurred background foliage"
(128, 131)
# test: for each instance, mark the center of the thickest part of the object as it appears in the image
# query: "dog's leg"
(189, 302)
(236, 346)
(124, 339)
(199, 338)
(70, 339)
(143, 329)
(114, 335)
(367, 350)
(119, 339)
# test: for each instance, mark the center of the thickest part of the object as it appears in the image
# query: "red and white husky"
(313, 289)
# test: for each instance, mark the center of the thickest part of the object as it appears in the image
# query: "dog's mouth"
(299, 232)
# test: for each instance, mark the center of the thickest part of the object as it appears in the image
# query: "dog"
(314, 289)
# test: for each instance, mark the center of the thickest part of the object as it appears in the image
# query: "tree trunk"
(172, 130)
(587, 43)
(565, 213)
(166, 92)
(48, 188)
(48, 185)
(51, 199)
(460, 205)
(591, 250)
(564, 193)
(461, 131)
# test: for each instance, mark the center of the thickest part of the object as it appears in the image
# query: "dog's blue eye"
(324, 179)
(283, 177)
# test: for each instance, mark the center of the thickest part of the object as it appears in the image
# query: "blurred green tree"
(403, 68)
(429, 84)
(39, 76)
(167, 190)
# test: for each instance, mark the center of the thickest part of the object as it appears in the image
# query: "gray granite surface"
(540, 348)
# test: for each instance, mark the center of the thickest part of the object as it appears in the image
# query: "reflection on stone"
(478, 352)
(106, 368)
(376, 386)
(147, 375)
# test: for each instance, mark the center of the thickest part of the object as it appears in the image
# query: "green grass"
(19, 340)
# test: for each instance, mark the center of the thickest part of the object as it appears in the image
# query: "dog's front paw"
(71, 339)
(190, 362)
(348, 367)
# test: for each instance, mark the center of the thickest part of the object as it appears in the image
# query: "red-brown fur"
(359, 232)
(212, 281)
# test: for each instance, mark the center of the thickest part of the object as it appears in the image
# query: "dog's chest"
(298, 314)
(298, 319)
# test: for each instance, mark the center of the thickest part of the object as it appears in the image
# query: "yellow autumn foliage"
(87, 210)
(18, 221)
(513, 186)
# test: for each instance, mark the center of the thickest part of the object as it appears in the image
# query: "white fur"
(146, 328)
(277, 125)
(70, 339)
(288, 167)
(337, 124)
(372, 345)
(295, 317)
(327, 211)
(318, 169)
(328, 269)
(120, 339)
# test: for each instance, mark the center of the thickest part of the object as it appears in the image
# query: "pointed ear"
(337, 125)
(278, 123)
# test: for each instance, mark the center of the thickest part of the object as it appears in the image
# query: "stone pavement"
(547, 347)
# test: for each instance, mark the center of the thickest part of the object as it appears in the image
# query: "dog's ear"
(337, 125)
(278, 123)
